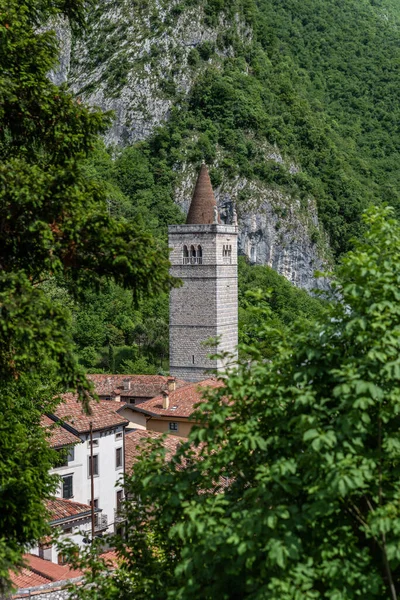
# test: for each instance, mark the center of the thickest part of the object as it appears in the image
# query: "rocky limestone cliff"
(274, 229)
(137, 59)
(134, 61)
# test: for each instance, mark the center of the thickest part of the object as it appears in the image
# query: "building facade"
(108, 429)
(204, 256)
(70, 510)
(172, 411)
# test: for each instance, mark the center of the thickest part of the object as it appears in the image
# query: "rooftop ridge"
(202, 207)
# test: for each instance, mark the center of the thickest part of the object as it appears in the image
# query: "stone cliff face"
(274, 229)
(136, 59)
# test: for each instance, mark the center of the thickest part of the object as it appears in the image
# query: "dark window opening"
(45, 551)
(118, 458)
(95, 506)
(95, 465)
(173, 426)
(193, 359)
(65, 455)
(194, 256)
(227, 252)
(67, 487)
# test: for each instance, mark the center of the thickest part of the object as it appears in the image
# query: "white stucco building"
(69, 430)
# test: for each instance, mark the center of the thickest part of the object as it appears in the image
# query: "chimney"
(127, 385)
(165, 402)
(171, 382)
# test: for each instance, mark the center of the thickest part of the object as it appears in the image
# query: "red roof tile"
(60, 509)
(25, 578)
(50, 570)
(140, 386)
(110, 558)
(70, 411)
(135, 442)
(41, 572)
(182, 402)
(58, 435)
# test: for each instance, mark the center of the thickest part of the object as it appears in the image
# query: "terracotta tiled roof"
(135, 442)
(41, 572)
(141, 386)
(70, 411)
(58, 435)
(25, 578)
(136, 439)
(50, 570)
(181, 402)
(60, 509)
(201, 211)
(110, 558)
(112, 405)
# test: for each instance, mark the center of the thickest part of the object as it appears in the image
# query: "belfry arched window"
(227, 253)
(192, 255)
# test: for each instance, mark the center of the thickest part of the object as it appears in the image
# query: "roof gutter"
(71, 429)
(153, 414)
(83, 515)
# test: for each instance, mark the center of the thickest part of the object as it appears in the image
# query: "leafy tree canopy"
(294, 491)
(54, 222)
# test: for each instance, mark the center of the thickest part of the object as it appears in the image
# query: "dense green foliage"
(267, 297)
(113, 335)
(54, 223)
(316, 80)
(291, 490)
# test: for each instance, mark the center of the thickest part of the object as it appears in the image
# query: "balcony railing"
(101, 522)
(119, 515)
(192, 260)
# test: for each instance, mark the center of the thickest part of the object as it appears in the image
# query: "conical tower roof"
(201, 211)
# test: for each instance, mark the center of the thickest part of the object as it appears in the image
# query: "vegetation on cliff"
(314, 80)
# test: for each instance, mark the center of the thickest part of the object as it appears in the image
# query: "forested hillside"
(113, 335)
(293, 104)
(315, 80)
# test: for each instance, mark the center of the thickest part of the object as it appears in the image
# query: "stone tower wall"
(206, 304)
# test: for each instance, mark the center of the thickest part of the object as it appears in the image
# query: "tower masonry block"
(204, 257)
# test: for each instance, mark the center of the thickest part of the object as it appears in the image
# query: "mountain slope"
(293, 104)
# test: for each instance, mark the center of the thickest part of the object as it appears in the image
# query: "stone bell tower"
(204, 257)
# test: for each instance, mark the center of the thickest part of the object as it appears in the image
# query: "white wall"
(106, 483)
(79, 533)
